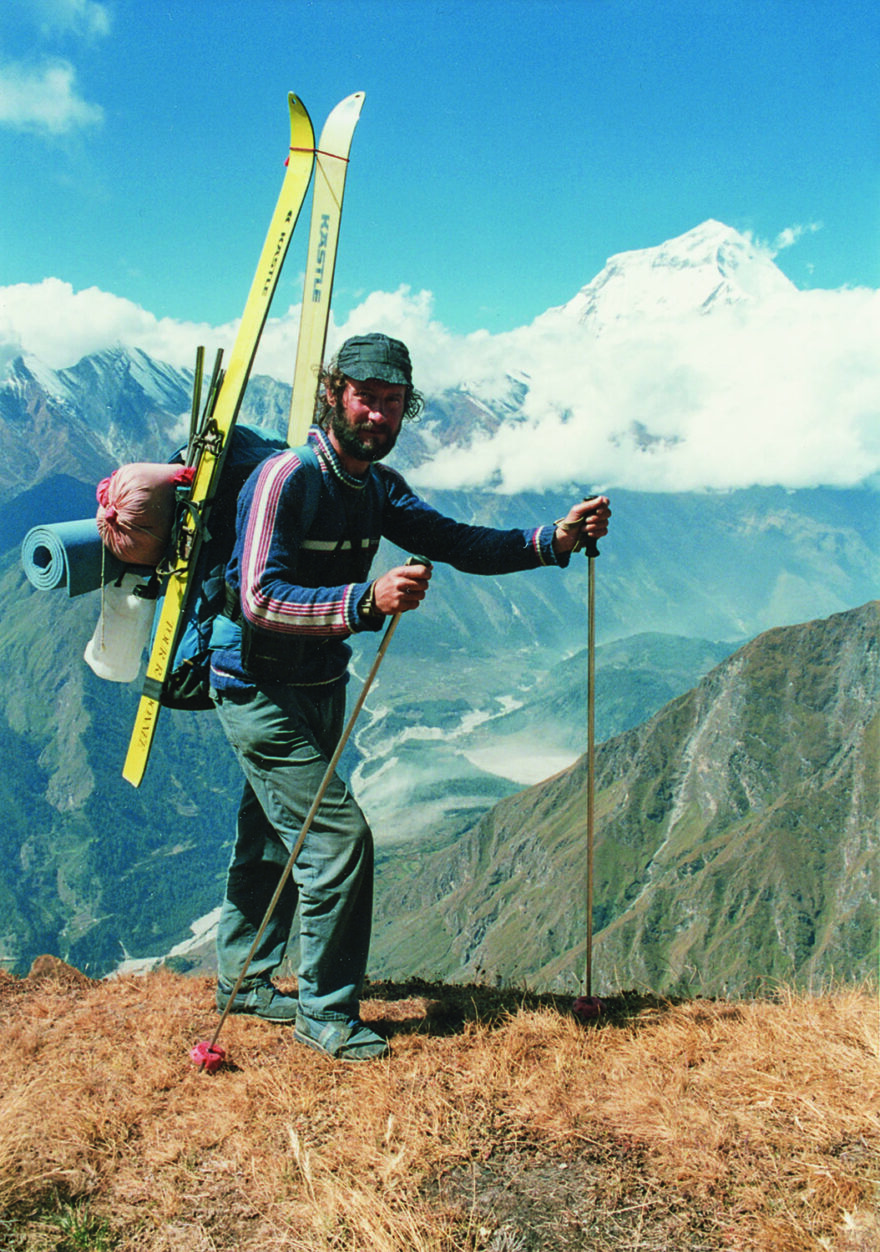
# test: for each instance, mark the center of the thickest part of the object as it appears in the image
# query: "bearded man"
(308, 526)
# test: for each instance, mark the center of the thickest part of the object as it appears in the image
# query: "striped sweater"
(300, 592)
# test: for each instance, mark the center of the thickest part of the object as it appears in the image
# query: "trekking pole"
(592, 552)
(587, 1005)
(206, 1054)
(198, 427)
(197, 396)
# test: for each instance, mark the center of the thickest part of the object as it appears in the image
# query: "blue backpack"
(188, 679)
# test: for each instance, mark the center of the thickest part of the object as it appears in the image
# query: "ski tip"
(351, 105)
(302, 132)
(133, 774)
(297, 109)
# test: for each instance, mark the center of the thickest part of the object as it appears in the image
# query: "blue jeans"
(284, 737)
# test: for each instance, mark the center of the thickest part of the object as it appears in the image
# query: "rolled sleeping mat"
(69, 555)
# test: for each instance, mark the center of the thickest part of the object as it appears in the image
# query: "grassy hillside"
(499, 1124)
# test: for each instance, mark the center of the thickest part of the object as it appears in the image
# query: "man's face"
(367, 420)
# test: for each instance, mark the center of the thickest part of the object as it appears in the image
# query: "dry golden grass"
(500, 1123)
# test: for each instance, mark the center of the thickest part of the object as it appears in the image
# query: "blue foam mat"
(68, 555)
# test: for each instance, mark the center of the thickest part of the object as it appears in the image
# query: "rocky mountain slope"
(737, 841)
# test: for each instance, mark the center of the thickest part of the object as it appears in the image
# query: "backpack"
(188, 680)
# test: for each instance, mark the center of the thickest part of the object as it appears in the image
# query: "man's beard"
(351, 443)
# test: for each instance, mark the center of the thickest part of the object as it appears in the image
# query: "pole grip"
(589, 547)
(586, 543)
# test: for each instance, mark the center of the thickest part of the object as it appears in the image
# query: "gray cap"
(375, 356)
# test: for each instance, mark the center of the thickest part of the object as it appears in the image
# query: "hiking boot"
(262, 999)
(340, 1040)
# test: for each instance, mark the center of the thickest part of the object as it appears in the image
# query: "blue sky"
(505, 150)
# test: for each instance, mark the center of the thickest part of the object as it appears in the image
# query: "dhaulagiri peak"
(708, 267)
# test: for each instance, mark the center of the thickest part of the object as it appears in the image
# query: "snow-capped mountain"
(114, 407)
(694, 364)
(702, 270)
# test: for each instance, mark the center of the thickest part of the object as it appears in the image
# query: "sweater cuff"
(363, 616)
(543, 542)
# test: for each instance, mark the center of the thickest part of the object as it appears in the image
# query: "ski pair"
(210, 442)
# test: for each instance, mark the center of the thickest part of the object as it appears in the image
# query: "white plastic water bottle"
(115, 649)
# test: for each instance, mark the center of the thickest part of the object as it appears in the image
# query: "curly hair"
(334, 382)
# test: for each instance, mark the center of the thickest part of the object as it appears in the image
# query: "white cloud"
(44, 98)
(51, 321)
(792, 235)
(787, 392)
(784, 390)
(84, 18)
(786, 238)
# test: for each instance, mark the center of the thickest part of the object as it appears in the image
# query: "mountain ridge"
(712, 836)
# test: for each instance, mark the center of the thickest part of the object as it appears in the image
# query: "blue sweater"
(300, 592)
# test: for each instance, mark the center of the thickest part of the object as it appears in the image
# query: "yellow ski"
(212, 440)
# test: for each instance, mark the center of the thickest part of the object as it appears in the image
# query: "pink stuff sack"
(136, 510)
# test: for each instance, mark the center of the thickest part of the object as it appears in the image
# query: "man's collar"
(330, 456)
